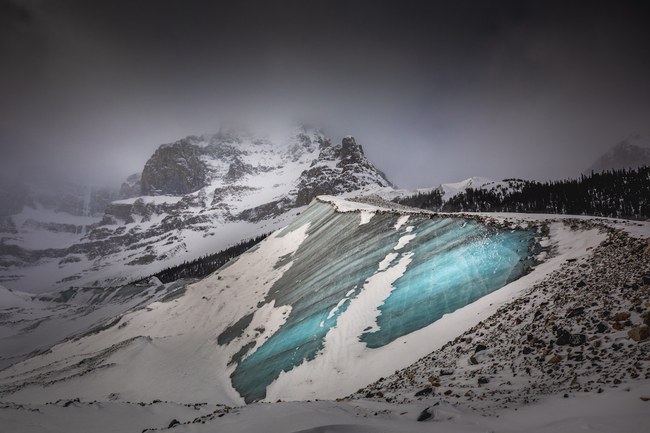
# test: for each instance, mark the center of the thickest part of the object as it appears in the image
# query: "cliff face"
(175, 169)
(338, 169)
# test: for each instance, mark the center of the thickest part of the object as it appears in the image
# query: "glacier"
(452, 261)
(318, 309)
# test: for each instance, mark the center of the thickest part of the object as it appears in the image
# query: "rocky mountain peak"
(629, 153)
(352, 171)
(350, 150)
(203, 193)
(175, 168)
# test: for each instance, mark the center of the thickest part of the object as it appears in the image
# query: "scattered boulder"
(426, 391)
(566, 338)
(425, 415)
(579, 311)
(639, 333)
(646, 318)
(563, 337)
(621, 316)
(480, 348)
(71, 402)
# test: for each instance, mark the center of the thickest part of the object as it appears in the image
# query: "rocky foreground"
(583, 329)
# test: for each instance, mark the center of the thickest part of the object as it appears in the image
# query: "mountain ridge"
(203, 193)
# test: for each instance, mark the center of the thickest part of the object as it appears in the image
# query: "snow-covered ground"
(615, 411)
(164, 352)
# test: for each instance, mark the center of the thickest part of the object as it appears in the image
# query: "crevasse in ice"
(453, 262)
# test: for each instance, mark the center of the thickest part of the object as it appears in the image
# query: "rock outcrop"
(175, 169)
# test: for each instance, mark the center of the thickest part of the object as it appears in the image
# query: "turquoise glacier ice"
(453, 262)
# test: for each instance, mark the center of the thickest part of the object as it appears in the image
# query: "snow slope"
(31, 324)
(314, 298)
(613, 411)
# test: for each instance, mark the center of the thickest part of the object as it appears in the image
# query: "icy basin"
(451, 263)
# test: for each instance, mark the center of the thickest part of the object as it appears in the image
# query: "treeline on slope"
(613, 193)
(206, 265)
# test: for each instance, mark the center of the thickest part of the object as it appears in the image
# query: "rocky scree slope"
(585, 328)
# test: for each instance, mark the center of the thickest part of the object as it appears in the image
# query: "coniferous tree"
(614, 193)
(206, 265)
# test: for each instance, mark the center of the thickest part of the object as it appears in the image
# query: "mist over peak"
(434, 91)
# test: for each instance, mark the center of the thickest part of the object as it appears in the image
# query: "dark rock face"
(132, 187)
(265, 211)
(425, 415)
(175, 169)
(353, 171)
(238, 170)
(351, 152)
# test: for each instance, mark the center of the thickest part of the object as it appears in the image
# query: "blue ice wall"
(455, 261)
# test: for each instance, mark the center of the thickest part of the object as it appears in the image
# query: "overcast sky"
(434, 91)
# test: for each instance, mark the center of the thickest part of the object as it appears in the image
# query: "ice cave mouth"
(396, 274)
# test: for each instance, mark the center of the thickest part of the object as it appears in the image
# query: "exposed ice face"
(402, 275)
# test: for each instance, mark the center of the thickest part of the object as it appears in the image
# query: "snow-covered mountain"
(449, 190)
(47, 212)
(630, 153)
(197, 195)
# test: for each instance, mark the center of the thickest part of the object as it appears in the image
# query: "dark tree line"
(206, 265)
(613, 193)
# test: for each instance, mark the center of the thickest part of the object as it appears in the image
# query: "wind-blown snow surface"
(621, 411)
(318, 309)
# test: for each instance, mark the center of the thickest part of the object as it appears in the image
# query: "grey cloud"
(436, 91)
